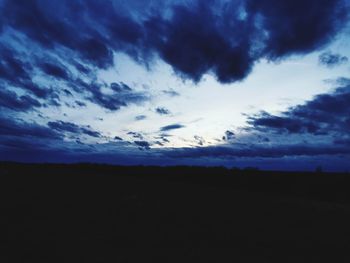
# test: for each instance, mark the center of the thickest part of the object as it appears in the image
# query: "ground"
(90, 213)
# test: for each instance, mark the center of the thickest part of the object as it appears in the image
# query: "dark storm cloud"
(330, 60)
(16, 72)
(162, 111)
(227, 39)
(36, 90)
(171, 127)
(224, 38)
(11, 67)
(14, 128)
(10, 100)
(297, 26)
(54, 70)
(62, 126)
(95, 51)
(283, 124)
(195, 41)
(324, 114)
(58, 23)
(81, 68)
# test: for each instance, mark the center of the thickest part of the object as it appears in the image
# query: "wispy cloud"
(171, 127)
(162, 111)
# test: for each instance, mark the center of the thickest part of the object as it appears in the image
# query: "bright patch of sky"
(207, 108)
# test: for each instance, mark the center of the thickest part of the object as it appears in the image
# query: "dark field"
(95, 213)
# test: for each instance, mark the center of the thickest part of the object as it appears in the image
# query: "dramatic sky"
(258, 83)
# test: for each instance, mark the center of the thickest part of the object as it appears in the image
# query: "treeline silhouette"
(318, 184)
(89, 212)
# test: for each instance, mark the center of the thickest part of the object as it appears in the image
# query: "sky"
(235, 83)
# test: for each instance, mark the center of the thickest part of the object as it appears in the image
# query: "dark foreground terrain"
(90, 213)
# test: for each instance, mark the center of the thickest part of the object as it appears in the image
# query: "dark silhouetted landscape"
(104, 213)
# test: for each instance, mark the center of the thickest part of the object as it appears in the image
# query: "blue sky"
(225, 82)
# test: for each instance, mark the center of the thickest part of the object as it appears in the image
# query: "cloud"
(80, 103)
(111, 97)
(171, 93)
(67, 92)
(276, 151)
(36, 90)
(283, 124)
(10, 100)
(95, 51)
(16, 73)
(190, 37)
(30, 141)
(54, 70)
(229, 135)
(163, 137)
(121, 95)
(20, 128)
(39, 22)
(82, 68)
(120, 87)
(324, 114)
(330, 60)
(11, 67)
(296, 26)
(162, 111)
(20, 144)
(136, 135)
(140, 117)
(341, 141)
(195, 41)
(62, 126)
(171, 127)
(143, 145)
(200, 140)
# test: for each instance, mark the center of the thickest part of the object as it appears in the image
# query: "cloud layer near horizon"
(325, 117)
